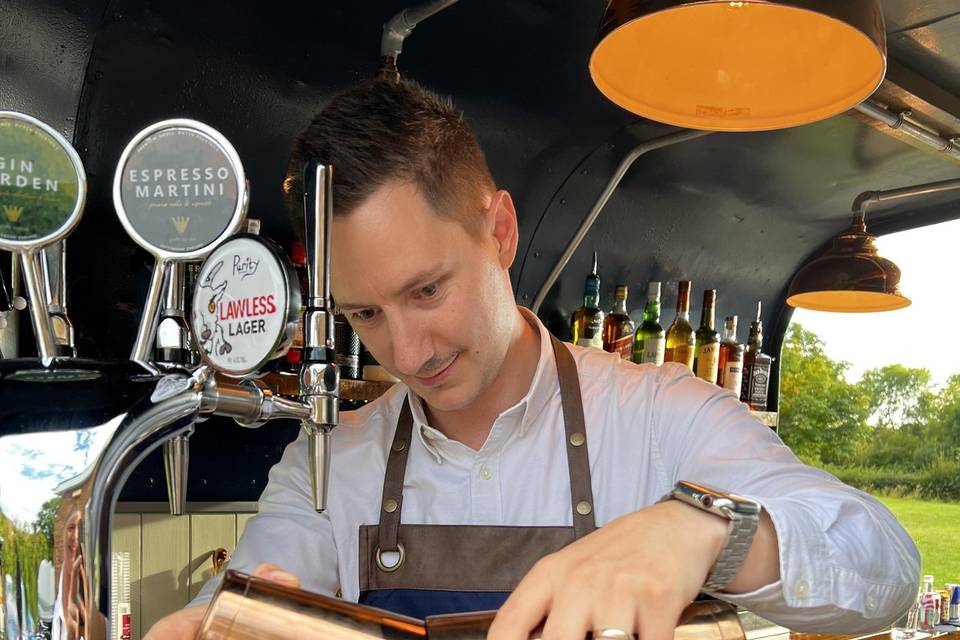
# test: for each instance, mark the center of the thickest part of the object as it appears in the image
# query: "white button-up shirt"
(846, 565)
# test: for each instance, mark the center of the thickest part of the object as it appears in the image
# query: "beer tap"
(319, 373)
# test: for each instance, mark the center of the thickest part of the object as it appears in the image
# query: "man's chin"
(447, 397)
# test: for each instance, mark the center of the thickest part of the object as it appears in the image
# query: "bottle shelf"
(769, 418)
(288, 384)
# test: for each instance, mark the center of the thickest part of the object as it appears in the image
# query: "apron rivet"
(584, 508)
(577, 439)
(391, 505)
(399, 445)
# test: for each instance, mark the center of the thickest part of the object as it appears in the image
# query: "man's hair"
(380, 131)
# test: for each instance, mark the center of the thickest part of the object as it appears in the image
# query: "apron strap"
(392, 501)
(578, 458)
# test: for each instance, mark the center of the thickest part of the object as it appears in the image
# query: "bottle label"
(708, 358)
(622, 346)
(652, 351)
(759, 382)
(733, 377)
(596, 341)
(682, 354)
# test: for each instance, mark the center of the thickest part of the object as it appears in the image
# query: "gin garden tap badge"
(245, 306)
(42, 183)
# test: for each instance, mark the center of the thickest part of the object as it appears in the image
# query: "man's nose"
(411, 345)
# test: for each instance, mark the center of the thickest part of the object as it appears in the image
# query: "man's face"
(432, 303)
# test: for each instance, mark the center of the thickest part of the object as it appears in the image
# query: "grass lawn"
(935, 527)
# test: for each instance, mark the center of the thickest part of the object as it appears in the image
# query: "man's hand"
(636, 574)
(185, 623)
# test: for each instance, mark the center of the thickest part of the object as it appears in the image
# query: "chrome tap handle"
(319, 374)
(39, 315)
(53, 266)
(143, 346)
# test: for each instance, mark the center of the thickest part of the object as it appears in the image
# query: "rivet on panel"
(577, 439)
(390, 505)
(399, 445)
(584, 508)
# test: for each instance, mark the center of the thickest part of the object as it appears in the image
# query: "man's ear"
(502, 226)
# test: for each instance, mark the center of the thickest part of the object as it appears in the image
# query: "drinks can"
(954, 617)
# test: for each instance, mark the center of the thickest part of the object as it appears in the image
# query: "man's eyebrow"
(426, 275)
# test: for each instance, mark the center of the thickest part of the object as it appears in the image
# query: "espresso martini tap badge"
(245, 306)
(42, 193)
(179, 190)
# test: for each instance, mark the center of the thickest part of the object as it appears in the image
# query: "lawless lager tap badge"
(39, 182)
(240, 305)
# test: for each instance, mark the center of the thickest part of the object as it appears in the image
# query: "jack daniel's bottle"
(587, 321)
(756, 368)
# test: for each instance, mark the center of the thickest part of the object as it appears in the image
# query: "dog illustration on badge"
(212, 337)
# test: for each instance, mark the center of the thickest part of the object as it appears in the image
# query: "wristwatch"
(743, 515)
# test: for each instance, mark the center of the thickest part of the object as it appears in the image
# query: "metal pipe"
(176, 467)
(53, 266)
(867, 198)
(625, 164)
(398, 28)
(899, 121)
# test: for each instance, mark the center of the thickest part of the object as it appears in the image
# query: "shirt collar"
(543, 388)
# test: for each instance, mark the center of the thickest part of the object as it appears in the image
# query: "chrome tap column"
(319, 373)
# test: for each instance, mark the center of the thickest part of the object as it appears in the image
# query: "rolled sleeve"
(846, 564)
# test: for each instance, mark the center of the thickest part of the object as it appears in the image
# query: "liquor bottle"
(587, 321)
(756, 368)
(618, 327)
(649, 341)
(707, 351)
(730, 365)
(680, 338)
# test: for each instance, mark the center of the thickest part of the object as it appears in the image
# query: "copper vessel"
(246, 607)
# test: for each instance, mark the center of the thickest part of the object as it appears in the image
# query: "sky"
(32, 465)
(921, 335)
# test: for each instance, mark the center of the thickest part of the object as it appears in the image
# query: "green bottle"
(587, 321)
(649, 342)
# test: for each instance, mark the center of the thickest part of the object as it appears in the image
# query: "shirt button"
(485, 472)
(801, 588)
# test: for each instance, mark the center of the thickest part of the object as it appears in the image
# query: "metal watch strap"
(739, 538)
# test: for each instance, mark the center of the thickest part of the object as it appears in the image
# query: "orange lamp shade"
(739, 66)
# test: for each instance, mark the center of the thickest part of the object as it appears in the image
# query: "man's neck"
(472, 424)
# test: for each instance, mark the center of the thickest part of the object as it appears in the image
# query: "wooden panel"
(165, 581)
(207, 533)
(125, 537)
(242, 520)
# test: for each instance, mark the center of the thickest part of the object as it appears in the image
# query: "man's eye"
(364, 315)
(429, 291)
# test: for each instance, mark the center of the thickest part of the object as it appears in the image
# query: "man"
(483, 463)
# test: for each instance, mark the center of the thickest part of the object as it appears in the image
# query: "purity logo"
(180, 223)
(12, 213)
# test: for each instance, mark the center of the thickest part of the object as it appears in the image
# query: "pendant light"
(850, 277)
(739, 66)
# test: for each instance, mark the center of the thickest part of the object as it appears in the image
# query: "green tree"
(899, 395)
(822, 416)
(47, 518)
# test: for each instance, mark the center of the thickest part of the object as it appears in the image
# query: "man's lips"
(440, 377)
